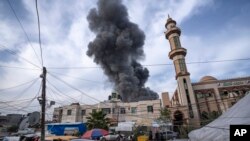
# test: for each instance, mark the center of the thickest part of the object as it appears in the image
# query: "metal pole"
(43, 103)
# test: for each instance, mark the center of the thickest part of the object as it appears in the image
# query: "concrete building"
(141, 112)
(193, 103)
(11, 119)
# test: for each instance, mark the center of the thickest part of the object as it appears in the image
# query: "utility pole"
(43, 103)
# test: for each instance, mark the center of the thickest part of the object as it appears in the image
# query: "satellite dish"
(34, 118)
(24, 124)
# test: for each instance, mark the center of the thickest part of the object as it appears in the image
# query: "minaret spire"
(177, 54)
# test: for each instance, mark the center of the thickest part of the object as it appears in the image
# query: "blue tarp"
(58, 128)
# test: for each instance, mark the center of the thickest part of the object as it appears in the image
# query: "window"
(185, 83)
(106, 110)
(225, 93)
(83, 112)
(204, 115)
(113, 95)
(122, 110)
(182, 64)
(69, 112)
(199, 95)
(60, 111)
(150, 109)
(133, 110)
(208, 94)
(177, 41)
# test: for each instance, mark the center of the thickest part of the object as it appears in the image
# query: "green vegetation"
(209, 117)
(165, 115)
(97, 119)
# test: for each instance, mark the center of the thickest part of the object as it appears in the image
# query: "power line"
(25, 90)
(41, 51)
(52, 98)
(13, 67)
(165, 64)
(23, 29)
(74, 87)
(10, 101)
(12, 87)
(14, 53)
(60, 92)
(74, 67)
(28, 105)
(92, 81)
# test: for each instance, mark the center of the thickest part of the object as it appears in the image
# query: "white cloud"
(65, 37)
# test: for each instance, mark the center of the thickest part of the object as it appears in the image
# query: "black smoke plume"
(117, 48)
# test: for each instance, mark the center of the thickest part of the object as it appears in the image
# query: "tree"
(209, 117)
(165, 115)
(97, 119)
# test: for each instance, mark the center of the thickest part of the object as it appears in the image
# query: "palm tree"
(97, 119)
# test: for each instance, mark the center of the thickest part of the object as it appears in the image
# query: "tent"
(125, 126)
(218, 130)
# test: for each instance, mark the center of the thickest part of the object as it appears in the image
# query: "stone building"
(141, 112)
(193, 103)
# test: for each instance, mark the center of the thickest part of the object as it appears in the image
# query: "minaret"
(177, 54)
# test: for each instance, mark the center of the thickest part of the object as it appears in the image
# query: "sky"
(212, 30)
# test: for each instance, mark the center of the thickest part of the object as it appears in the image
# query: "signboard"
(234, 83)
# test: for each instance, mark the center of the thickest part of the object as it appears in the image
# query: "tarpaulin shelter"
(218, 130)
(60, 128)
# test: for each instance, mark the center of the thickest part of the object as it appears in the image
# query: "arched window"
(204, 115)
(224, 93)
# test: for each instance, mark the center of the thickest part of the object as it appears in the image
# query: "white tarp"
(218, 130)
(125, 126)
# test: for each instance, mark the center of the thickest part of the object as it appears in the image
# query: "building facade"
(194, 103)
(11, 119)
(141, 112)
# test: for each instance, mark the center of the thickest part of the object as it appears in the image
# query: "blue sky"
(211, 30)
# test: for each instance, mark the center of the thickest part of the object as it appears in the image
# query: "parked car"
(170, 135)
(81, 140)
(111, 137)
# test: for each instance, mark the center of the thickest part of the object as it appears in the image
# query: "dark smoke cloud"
(117, 48)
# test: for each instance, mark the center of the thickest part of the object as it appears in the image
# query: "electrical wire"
(60, 96)
(21, 25)
(57, 101)
(92, 81)
(25, 90)
(60, 92)
(10, 101)
(12, 87)
(15, 53)
(13, 67)
(151, 65)
(38, 20)
(81, 92)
